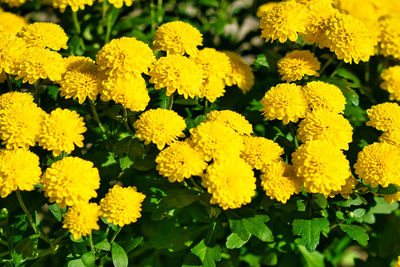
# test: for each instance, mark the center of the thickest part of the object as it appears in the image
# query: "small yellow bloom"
(391, 82)
(232, 119)
(44, 35)
(11, 23)
(241, 74)
(74, 4)
(298, 63)
(384, 117)
(81, 219)
(325, 96)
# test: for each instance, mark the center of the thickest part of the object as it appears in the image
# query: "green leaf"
(125, 163)
(313, 259)
(207, 255)
(133, 243)
(88, 259)
(320, 200)
(391, 189)
(103, 245)
(261, 61)
(344, 73)
(119, 257)
(356, 232)
(76, 263)
(27, 246)
(310, 231)
(382, 207)
(300, 205)
(213, 3)
(56, 211)
(234, 241)
(248, 226)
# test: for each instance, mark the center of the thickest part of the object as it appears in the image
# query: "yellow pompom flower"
(159, 126)
(216, 140)
(81, 219)
(11, 23)
(179, 161)
(283, 21)
(390, 198)
(125, 57)
(323, 167)
(12, 99)
(279, 181)
(74, 4)
(391, 137)
(378, 164)
(391, 82)
(328, 126)
(230, 182)
(120, 3)
(61, 131)
(19, 170)
(286, 102)
(178, 37)
(122, 205)
(232, 119)
(13, 3)
(346, 189)
(384, 117)
(241, 74)
(263, 9)
(389, 40)
(70, 181)
(11, 50)
(298, 63)
(74, 62)
(177, 73)
(44, 35)
(325, 96)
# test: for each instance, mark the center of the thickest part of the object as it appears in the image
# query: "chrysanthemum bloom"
(391, 137)
(74, 62)
(122, 205)
(74, 4)
(326, 125)
(177, 73)
(120, 3)
(323, 167)
(325, 96)
(389, 40)
(279, 181)
(11, 50)
(11, 23)
(180, 161)
(350, 38)
(44, 35)
(125, 56)
(11, 99)
(230, 182)
(159, 126)
(283, 21)
(397, 263)
(70, 181)
(391, 82)
(298, 63)
(241, 74)
(384, 117)
(178, 37)
(61, 131)
(19, 170)
(286, 102)
(263, 9)
(81, 219)
(13, 3)
(378, 164)
(40, 63)
(216, 140)
(390, 198)
(232, 119)
(347, 189)
(259, 152)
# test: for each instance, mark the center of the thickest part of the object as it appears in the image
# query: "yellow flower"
(390, 37)
(231, 183)
(11, 23)
(391, 82)
(378, 164)
(279, 181)
(11, 99)
(120, 3)
(70, 181)
(160, 126)
(325, 96)
(390, 198)
(13, 3)
(81, 219)
(19, 170)
(61, 131)
(122, 205)
(44, 35)
(346, 189)
(391, 137)
(74, 4)
(259, 152)
(283, 21)
(397, 263)
(264, 8)
(286, 102)
(298, 63)
(328, 126)
(323, 167)
(74, 62)
(11, 50)
(384, 117)
(177, 73)
(241, 74)
(180, 161)
(216, 140)
(232, 119)
(177, 37)
(124, 57)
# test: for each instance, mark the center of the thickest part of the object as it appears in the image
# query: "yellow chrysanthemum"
(70, 181)
(286, 102)
(61, 131)
(120, 3)
(231, 183)
(74, 4)
(81, 219)
(391, 137)
(241, 74)
(122, 205)
(125, 57)
(323, 167)
(384, 117)
(11, 50)
(180, 161)
(283, 21)
(159, 126)
(13, 3)
(328, 126)
(11, 23)
(19, 170)
(216, 140)
(298, 63)
(346, 189)
(389, 40)
(74, 62)
(279, 181)
(232, 119)
(390, 198)
(391, 82)
(44, 35)
(325, 96)
(378, 164)
(178, 37)
(397, 263)
(263, 9)
(12, 99)
(177, 73)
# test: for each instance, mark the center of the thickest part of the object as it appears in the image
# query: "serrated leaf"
(234, 241)
(261, 61)
(56, 211)
(245, 227)
(207, 255)
(310, 231)
(119, 257)
(320, 200)
(356, 232)
(313, 259)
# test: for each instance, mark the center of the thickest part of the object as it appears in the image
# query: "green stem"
(109, 26)
(199, 188)
(171, 101)
(36, 94)
(104, 8)
(9, 84)
(115, 235)
(159, 9)
(28, 215)
(337, 67)
(153, 17)
(96, 115)
(326, 65)
(91, 243)
(367, 71)
(126, 122)
(78, 30)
